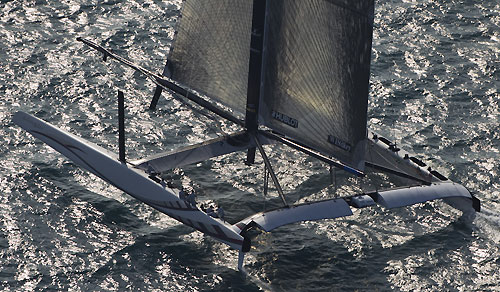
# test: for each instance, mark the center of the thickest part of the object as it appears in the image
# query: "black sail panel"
(316, 76)
(212, 49)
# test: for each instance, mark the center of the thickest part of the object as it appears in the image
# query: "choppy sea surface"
(434, 90)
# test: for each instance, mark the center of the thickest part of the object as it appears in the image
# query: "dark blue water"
(435, 79)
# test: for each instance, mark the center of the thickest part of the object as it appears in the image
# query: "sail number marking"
(339, 143)
(285, 119)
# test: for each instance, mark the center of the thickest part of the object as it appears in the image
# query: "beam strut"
(270, 170)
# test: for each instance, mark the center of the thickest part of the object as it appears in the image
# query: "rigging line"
(165, 83)
(370, 153)
(270, 169)
(266, 185)
(297, 146)
(395, 172)
(266, 181)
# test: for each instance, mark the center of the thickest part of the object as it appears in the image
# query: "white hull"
(135, 182)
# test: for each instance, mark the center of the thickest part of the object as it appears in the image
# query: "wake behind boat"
(289, 72)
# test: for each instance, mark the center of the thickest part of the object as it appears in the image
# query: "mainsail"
(316, 74)
(315, 67)
(212, 49)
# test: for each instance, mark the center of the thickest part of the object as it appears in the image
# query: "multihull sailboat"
(293, 72)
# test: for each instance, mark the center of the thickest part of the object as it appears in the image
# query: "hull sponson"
(405, 196)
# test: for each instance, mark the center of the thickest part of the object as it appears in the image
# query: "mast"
(254, 71)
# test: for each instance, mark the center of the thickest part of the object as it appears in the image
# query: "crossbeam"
(161, 162)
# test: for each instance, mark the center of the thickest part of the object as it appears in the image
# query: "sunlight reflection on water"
(434, 88)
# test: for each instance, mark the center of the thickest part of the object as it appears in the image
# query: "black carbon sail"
(212, 50)
(315, 67)
(317, 74)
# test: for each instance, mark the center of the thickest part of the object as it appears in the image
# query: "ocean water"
(434, 89)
